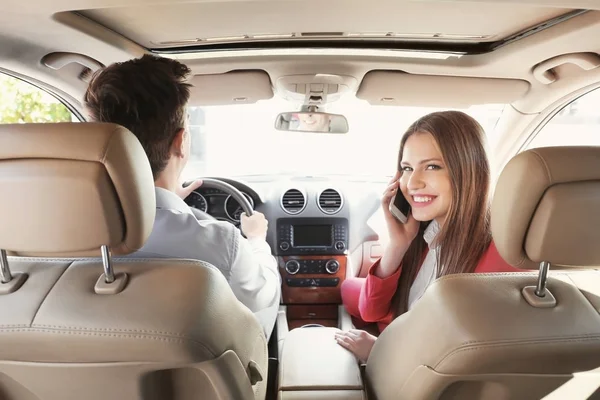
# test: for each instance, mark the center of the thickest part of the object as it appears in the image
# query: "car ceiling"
(116, 30)
(209, 21)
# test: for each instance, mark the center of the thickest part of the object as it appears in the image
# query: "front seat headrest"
(70, 188)
(546, 207)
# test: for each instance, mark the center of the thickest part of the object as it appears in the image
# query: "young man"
(149, 97)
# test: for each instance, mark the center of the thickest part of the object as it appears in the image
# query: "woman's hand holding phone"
(401, 234)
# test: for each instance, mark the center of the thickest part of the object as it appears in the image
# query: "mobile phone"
(400, 207)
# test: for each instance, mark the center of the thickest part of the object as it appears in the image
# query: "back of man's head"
(148, 96)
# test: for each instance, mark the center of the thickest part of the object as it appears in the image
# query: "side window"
(577, 124)
(21, 102)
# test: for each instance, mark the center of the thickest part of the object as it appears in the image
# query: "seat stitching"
(48, 293)
(114, 260)
(545, 165)
(108, 143)
(129, 336)
(581, 292)
(471, 276)
(85, 329)
(483, 275)
(530, 340)
(584, 338)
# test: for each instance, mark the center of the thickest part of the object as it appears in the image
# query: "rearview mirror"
(304, 121)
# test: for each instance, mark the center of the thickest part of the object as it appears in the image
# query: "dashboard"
(218, 204)
(321, 229)
(295, 198)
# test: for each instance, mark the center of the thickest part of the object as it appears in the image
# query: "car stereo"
(297, 236)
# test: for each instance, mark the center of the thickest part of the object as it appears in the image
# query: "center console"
(312, 236)
(312, 254)
(314, 366)
(312, 257)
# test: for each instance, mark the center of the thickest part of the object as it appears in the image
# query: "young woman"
(444, 174)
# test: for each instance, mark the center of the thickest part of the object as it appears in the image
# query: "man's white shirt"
(248, 265)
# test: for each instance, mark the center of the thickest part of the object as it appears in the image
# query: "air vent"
(330, 201)
(293, 201)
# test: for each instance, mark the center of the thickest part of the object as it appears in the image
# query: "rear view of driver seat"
(513, 335)
(77, 327)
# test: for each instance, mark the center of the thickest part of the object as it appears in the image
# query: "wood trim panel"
(312, 295)
(328, 311)
(302, 314)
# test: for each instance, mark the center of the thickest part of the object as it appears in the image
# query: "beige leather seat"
(490, 336)
(164, 329)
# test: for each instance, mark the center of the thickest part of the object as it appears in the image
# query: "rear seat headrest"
(546, 207)
(69, 188)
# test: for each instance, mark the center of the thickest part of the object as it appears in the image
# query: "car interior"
(297, 110)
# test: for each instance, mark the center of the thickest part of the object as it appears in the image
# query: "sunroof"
(436, 26)
(440, 43)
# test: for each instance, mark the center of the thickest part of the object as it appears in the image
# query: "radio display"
(312, 236)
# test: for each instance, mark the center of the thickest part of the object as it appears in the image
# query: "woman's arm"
(375, 299)
(382, 280)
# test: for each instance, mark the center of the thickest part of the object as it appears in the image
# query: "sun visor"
(402, 89)
(236, 87)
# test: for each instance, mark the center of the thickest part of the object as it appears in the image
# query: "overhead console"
(315, 89)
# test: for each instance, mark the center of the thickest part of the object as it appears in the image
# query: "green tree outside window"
(21, 102)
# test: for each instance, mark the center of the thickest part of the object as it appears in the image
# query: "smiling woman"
(237, 140)
(425, 179)
(445, 176)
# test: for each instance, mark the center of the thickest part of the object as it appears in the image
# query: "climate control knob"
(292, 267)
(332, 267)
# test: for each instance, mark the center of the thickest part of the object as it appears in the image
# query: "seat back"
(76, 323)
(511, 335)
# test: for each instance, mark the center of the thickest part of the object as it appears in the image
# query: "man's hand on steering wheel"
(255, 226)
(184, 191)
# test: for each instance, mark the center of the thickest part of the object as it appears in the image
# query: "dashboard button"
(332, 266)
(292, 267)
(329, 282)
(284, 246)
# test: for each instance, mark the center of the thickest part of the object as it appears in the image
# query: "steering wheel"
(224, 187)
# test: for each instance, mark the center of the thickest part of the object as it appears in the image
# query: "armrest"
(312, 360)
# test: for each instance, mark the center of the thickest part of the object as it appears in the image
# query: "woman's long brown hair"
(465, 235)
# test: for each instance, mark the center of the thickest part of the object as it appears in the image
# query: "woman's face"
(425, 181)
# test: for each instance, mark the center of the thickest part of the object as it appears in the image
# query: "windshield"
(236, 140)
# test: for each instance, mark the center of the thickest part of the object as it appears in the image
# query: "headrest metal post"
(540, 290)
(109, 275)
(5, 275)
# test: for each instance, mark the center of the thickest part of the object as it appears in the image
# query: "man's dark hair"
(146, 95)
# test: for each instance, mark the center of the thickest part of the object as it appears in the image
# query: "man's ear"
(178, 146)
